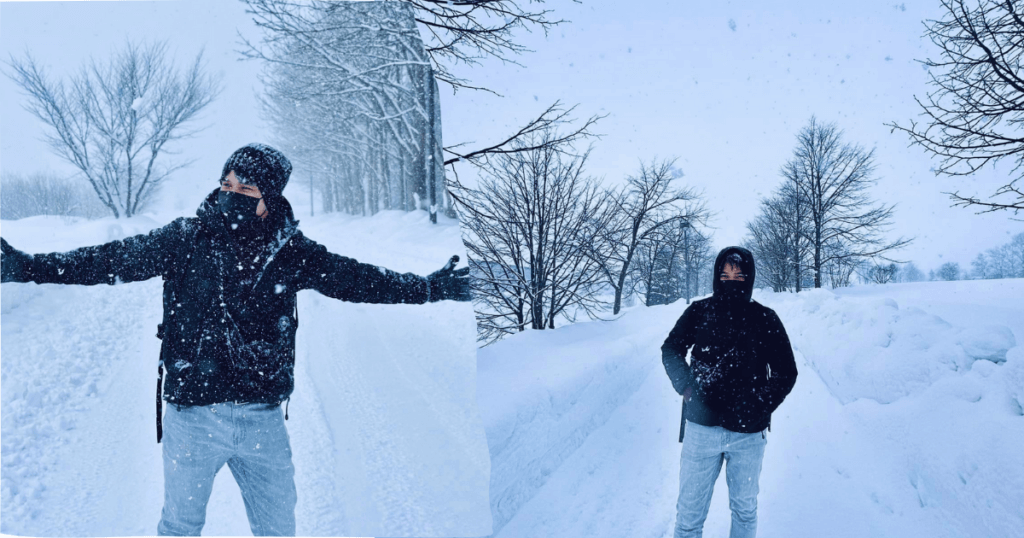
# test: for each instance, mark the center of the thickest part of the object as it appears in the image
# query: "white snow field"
(384, 426)
(906, 420)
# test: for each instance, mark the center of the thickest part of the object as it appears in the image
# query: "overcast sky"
(722, 86)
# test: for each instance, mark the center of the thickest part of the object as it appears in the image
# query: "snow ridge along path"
(384, 427)
(901, 423)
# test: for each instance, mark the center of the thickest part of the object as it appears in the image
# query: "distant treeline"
(1005, 261)
(47, 194)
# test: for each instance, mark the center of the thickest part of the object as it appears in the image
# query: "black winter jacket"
(229, 303)
(741, 363)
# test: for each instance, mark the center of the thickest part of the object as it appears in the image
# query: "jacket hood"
(740, 257)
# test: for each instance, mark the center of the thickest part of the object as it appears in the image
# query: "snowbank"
(870, 348)
(935, 406)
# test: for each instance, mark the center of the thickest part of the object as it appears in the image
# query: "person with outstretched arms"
(227, 355)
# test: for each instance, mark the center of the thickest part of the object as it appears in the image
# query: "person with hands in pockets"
(740, 369)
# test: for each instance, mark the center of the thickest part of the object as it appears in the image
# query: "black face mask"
(239, 209)
(732, 291)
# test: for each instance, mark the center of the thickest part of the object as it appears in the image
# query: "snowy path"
(939, 462)
(384, 428)
(623, 480)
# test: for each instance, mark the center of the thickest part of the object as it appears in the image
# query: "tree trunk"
(817, 259)
(618, 289)
(431, 142)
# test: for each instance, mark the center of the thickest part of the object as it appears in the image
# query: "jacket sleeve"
(781, 361)
(673, 351)
(349, 280)
(132, 259)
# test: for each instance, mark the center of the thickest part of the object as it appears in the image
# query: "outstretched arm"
(349, 280)
(140, 257)
(673, 352)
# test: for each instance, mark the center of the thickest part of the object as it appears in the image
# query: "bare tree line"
(47, 194)
(674, 263)
(349, 89)
(352, 88)
(1004, 261)
(529, 223)
(821, 226)
(352, 92)
(649, 203)
(548, 243)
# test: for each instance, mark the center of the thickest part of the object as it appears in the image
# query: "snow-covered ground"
(386, 435)
(906, 420)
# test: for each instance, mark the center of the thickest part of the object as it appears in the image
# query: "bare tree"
(643, 207)
(909, 272)
(693, 270)
(979, 267)
(973, 116)
(1004, 261)
(1015, 252)
(1001, 262)
(778, 238)
(881, 273)
(527, 226)
(652, 267)
(114, 121)
(832, 178)
(793, 209)
(460, 32)
(841, 266)
(669, 264)
(948, 271)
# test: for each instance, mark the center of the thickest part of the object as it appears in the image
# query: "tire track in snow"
(379, 468)
(319, 509)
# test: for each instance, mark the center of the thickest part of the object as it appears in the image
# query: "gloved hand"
(449, 283)
(14, 263)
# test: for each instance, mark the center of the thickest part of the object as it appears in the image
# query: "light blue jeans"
(705, 448)
(253, 441)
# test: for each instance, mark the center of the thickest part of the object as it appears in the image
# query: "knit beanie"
(261, 166)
